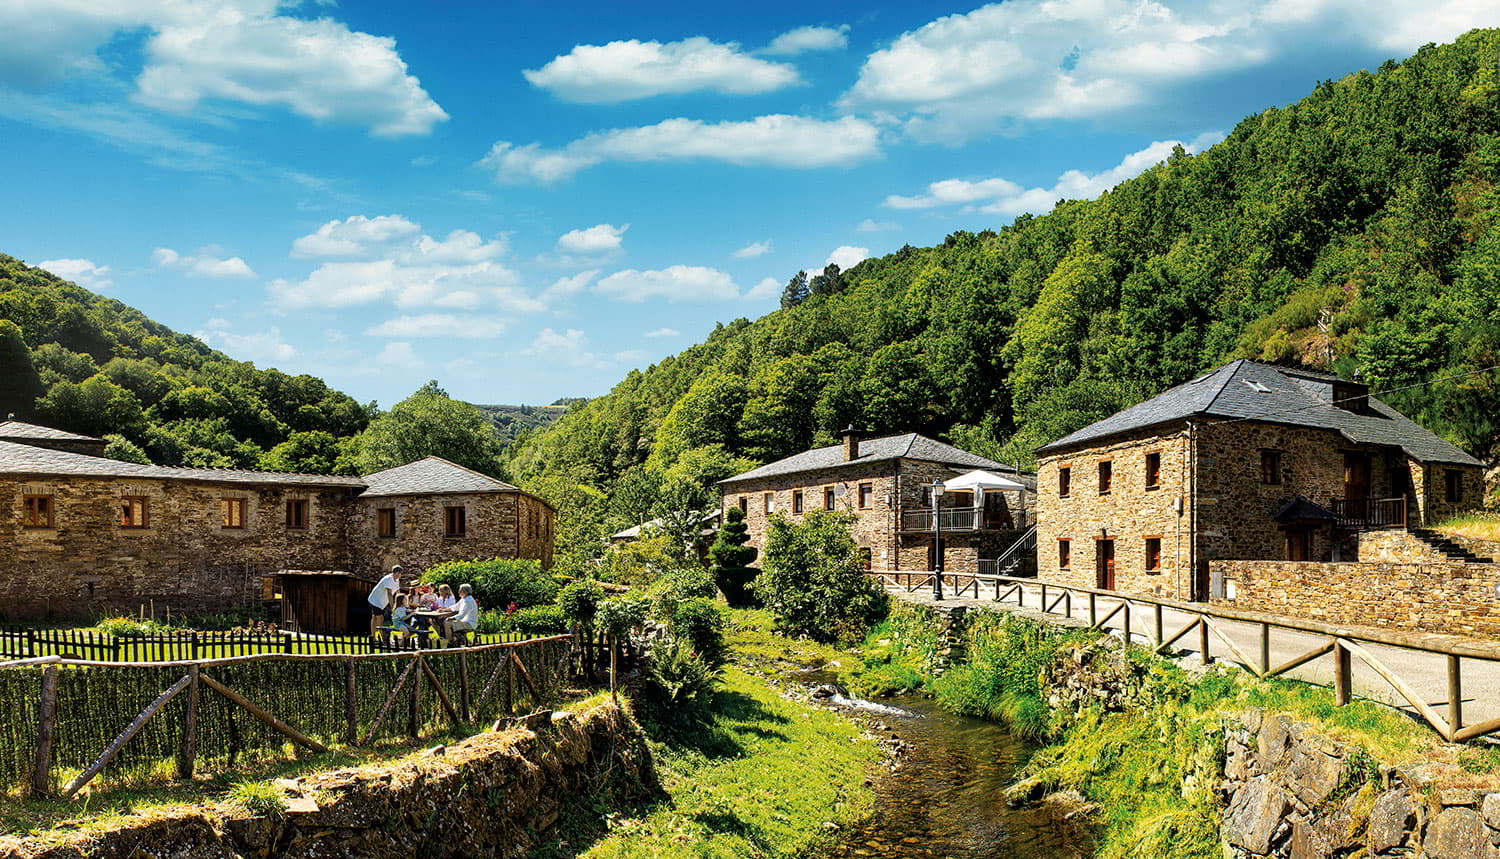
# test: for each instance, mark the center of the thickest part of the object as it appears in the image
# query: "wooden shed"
(332, 602)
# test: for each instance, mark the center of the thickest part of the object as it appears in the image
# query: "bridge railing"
(1343, 644)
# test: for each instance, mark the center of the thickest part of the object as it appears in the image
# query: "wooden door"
(1105, 564)
(1356, 475)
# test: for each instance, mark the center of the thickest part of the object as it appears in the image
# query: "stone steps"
(1447, 547)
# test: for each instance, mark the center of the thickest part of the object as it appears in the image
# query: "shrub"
(641, 562)
(732, 559)
(700, 623)
(678, 685)
(497, 583)
(533, 620)
(619, 615)
(813, 579)
(131, 626)
(684, 583)
(579, 602)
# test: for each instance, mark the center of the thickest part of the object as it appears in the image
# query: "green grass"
(1479, 526)
(258, 798)
(758, 780)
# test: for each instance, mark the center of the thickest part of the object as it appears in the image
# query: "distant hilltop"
(511, 421)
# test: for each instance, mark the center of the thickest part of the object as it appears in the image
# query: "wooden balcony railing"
(954, 519)
(1369, 513)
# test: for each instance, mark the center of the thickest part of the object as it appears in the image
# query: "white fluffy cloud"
(961, 75)
(847, 256)
(241, 51)
(399, 264)
(632, 69)
(1003, 197)
(81, 271)
(440, 325)
(805, 39)
(674, 283)
(571, 284)
(354, 236)
(568, 348)
(753, 250)
(769, 287)
(203, 265)
(870, 225)
(777, 140)
(398, 353)
(664, 332)
(259, 346)
(600, 238)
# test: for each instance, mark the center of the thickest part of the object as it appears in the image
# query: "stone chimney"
(851, 443)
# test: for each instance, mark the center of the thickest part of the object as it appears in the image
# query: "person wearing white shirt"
(382, 597)
(465, 612)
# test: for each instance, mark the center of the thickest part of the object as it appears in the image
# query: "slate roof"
(24, 460)
(908, 446)
(1250, 390)
(431, 476)
(21, 429)
(1300, 509)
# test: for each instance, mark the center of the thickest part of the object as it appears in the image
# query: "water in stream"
(945, 800)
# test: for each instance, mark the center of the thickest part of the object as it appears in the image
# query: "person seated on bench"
(401, 618)
(465, 615)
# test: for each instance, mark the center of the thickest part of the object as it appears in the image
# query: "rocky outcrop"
(496, 794)
(1290, 792)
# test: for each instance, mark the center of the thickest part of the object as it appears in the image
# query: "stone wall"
(894, 485)
(496, 794)
(1289, 792)
(1396, 546)
(498, 525)
(1445, 597)
(87, 564)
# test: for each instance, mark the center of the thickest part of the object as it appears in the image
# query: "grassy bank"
(1147, 749)
(760, 779)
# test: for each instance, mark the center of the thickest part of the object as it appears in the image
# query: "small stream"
(945, 800)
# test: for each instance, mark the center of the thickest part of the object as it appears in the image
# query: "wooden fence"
(71, 719)
(24, 643)
(1343, 644)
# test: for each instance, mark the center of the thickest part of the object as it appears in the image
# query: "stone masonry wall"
(1396, 546)
(894, 484)
(1447, 597)
(498, 525)
(495, 794)
(184, 559)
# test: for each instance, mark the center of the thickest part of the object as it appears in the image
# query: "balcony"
(958, 519)
(1364, 514)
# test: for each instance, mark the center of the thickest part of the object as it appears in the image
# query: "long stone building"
(1249, 462)
(886, 484)
(82, 534)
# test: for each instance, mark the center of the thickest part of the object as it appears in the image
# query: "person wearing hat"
(382, 598)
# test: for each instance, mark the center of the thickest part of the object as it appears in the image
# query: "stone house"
(83, 534)
(886, 483)
(1249, 462)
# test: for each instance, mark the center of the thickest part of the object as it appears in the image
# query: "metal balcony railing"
(956, 519)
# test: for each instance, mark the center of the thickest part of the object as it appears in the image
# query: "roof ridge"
(1236, 364)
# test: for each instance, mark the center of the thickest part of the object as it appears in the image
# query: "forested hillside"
(511, 421)
(81, 362)
(1354, 230)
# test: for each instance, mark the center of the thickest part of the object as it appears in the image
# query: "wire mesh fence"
(232, 711)
(97, 645)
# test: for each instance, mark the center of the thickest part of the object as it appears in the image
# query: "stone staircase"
(1447, 547)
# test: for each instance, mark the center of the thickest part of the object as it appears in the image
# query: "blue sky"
(525, 200)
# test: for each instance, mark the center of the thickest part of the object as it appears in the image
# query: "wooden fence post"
(1160, 630)
(30, 643)
(614, 666)
(510, 684)
(187, 752)
(1342, 674)
(1203, 640)
(463, 687)
(1126, 606)
(41, 774)
(1093, 609)
(351, 703)
(413, 705)
(1455, 697)
(1265, 649)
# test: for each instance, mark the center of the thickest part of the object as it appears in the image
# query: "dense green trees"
(1356, 230)
(813, 579)
(429, 423)
(85, 363)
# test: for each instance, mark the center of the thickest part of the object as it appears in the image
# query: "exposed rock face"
(495, 794)
(1293, 793)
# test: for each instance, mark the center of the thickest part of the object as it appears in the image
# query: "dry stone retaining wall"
(495, 794)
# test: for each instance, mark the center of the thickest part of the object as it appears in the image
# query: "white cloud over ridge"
(203, 265)
(675, 283)
(600, 238)
(962, 75)
(83, 272)
(258, 346)
(806, 39)
(777, 140)
(632, 69)
(394, 262)
(847, 256)
(241, 51)
(1001, 196)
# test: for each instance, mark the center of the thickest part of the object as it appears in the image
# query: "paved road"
(1426, 673)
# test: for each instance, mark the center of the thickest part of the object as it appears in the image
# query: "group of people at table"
(422, 608)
